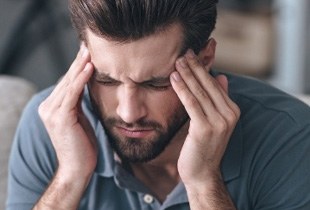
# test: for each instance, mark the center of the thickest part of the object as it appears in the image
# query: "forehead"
(154, 55)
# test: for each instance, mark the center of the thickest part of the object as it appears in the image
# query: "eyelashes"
(153, 86)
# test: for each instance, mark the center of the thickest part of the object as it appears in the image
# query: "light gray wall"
(44, 60)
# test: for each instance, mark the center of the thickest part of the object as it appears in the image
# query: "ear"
(207, 54)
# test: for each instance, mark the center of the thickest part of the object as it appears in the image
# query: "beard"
(139, 150)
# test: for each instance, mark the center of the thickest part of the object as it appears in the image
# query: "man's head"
(129, 20)
(134, 45)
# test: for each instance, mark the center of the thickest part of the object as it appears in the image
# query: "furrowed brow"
(102, 76)
(158, 80)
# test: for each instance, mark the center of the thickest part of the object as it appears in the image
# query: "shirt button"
(148, 198)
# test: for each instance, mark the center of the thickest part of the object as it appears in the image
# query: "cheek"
(104, 97)
(160, 105)
(164, 105)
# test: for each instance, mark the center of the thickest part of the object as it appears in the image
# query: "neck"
(161, 174)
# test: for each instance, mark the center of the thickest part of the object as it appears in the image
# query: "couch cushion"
(14, 94)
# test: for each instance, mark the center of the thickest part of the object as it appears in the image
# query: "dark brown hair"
(127, 20)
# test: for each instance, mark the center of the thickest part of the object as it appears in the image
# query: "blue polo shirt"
(266, 164)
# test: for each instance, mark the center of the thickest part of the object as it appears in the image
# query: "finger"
(233, 113)
(203, 76)
(222, 80)
(189, 101)
(214, 88)
(195, 88)
(75, 89)
(76, 67)
(82, 58)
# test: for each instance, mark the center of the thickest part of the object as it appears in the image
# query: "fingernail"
(83, 49)
(87, 67)
(85, 52)
(190, 53)
(82, 46)
(176, 76)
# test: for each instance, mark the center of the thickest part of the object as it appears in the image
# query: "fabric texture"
(264, 167)
(14, 94)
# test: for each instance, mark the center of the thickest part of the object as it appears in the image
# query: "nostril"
(131, 104)
(131, 111)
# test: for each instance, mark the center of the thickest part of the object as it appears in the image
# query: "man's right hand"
(72, 137)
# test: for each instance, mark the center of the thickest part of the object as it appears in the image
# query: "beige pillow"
(14, 94)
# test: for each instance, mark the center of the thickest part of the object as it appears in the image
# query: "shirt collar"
(105, 162)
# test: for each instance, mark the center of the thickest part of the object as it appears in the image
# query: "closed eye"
(108, 82)
(157, 86)
(104, 79)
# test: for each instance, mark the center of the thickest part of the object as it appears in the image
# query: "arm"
(213, 117)
(72, 137)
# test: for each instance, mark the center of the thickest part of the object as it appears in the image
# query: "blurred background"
(267, 39)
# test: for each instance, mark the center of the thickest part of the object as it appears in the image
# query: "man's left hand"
(213, 116)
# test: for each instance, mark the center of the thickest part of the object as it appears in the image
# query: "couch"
(14, 94)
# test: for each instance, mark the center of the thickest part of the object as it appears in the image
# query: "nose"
(131, 105)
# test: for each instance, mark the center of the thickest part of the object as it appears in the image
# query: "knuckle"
(231, 117)
(213, 83)
(221, 126)
(71, 90)
(206, 129)
(186, 73)
(43, 110)
(201, 93)
(187, 96)
(55, 121)
(194, 62)
(48, 115)
(190, 101)
(237, 111)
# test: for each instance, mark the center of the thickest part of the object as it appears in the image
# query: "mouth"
(134, 132)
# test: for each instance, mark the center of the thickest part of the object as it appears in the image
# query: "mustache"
(142, 123)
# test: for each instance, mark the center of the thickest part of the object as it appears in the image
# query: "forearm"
(63, 193)
(211, 195)
(72, 136)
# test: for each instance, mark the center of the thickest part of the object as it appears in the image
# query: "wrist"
(64, 192)
(208, 182)
(202, 188)
(72, 178)
(209, 194)
(69, 172)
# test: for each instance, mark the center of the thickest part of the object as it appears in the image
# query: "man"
(141, 122)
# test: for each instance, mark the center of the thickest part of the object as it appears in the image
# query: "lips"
(134, 132)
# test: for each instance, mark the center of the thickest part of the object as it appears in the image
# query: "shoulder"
(273, 142)
(259, 99)
(272, 123)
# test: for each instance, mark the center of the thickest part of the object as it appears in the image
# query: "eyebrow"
(154, 79)
(101, 76)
